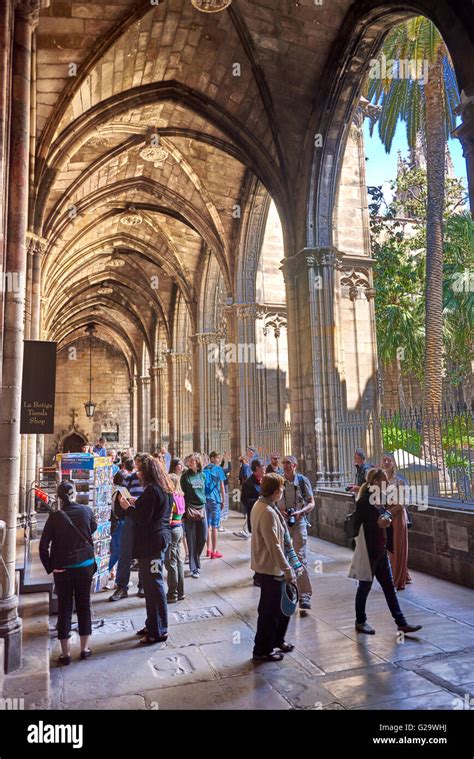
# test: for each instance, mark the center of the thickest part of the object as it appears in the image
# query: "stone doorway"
(73, 443)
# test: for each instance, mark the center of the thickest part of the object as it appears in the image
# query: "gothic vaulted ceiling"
(226, 97)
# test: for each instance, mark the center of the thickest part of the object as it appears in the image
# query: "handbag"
(194, 514)
(361, 568)
(349, 526)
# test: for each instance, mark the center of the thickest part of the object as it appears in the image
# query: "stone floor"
(206, 663)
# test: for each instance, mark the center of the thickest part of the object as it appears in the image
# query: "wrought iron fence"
(434, 450)
(273, 437)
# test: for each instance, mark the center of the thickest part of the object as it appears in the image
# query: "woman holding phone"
(151, 514)
(373, 517)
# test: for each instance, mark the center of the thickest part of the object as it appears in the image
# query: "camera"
(291, 517)
(348, 488)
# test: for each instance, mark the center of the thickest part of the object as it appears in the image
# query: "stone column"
(155, 431)
(133, 442)
(26, 18)
(314, 373)
(146, 417)
(465, 132)
(139, 412)
(180, 405)
(6, 25)
(33, 326)
(241, 318)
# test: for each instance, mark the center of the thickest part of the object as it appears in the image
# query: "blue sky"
(382, 167)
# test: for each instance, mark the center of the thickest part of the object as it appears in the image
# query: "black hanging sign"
(38, 388)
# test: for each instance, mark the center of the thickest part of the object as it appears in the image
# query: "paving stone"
(134, 671)
(442, 699)
(373, 688)
(457, 670)
(302, 690)
(114, 703)
(247, 692)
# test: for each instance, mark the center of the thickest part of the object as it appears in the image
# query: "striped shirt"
(133, 484)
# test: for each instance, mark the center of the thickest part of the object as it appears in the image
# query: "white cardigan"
(268, 532)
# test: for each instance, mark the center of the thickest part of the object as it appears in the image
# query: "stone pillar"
(314, 373)
(6, 26)
(34, 444)
(133, 443)
(465, 133)
(180, 401)
(241, 318)
(155, 433)
(146, 417)
(26, 18)
(139, 412)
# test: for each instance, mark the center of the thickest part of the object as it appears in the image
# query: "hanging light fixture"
(90, 405)
(211, 6)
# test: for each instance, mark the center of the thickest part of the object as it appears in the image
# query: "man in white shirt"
(295, 504)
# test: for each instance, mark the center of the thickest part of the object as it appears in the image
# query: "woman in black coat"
(66, 549)
(374, 519)
(151, 513)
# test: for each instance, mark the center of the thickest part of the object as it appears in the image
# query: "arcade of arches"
(190, 182)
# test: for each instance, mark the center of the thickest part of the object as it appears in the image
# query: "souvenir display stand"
(92, 477)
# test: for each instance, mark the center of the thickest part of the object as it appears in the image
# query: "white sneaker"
(242, 534)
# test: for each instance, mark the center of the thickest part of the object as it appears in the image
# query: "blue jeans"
(115, 544)
(383, 573)
(126, 554)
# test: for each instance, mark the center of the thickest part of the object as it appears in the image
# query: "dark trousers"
(383, 573)
(126, 555)
(151, 573)
(196, 536)
(74, 585)
(272, 623)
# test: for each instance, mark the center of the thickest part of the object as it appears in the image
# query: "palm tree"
(427, 108)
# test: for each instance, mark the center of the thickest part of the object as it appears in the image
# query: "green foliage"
(394, 436)
(416, 40)
(399, 250)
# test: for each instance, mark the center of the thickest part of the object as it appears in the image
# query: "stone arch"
(360, 41)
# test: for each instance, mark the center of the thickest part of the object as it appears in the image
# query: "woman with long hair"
(398, 552)
(195, 521)
(151, 513)
(374, 518)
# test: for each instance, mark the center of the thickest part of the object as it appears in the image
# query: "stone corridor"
(206, 664)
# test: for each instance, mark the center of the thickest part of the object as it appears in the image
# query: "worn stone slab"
(247, 692)
(373, 688)
(113, 703)
(134, 671)
(302, 690)
(442, 699)
(458, 670)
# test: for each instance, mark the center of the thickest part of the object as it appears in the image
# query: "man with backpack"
(214, 479)
(295, 504)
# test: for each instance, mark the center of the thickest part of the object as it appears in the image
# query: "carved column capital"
(312, 258)
(28, 10)
(247, 310)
